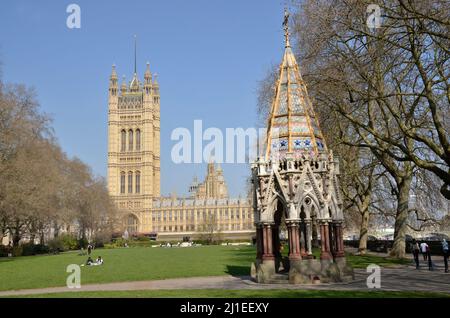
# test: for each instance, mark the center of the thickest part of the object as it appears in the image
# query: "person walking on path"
(423, 249)
(445, 251)
(430, 263)
(415, 250)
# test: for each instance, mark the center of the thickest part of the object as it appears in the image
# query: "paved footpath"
(404, 278)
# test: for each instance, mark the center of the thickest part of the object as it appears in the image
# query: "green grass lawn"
(126, 264)
(139, 263)
(222, 293)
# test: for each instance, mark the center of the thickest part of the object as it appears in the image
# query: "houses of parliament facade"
(134, 173)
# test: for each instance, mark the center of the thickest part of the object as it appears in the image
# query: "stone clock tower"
(134, 147)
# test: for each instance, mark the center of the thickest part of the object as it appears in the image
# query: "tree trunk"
(32, 237)
(55, 229)
(16, 237)
(16, 234)
(41, 238)
(398, 249)
(364, 231)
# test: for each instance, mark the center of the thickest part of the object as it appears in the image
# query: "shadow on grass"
(236, 271)
(362, 261)
(6, 259)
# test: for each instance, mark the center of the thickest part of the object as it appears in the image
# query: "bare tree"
(209, 229)
(389, 84)
(41, 190)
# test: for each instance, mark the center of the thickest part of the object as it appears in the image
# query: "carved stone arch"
(308, 200)
(272, 206)
(267, 191)
(282, 185)
(308, 175)
(336, 211)
(315, 187)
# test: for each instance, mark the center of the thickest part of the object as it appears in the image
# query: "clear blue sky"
(209, 56)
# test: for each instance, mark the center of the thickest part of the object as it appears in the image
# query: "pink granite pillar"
(339, 240)
(259, 242)
(268, 250)
(325, 241)
(294, 243)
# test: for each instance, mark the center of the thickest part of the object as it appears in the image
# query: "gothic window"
(130, 182)
(138, 182)
(123, 140)
(132, 223)
(130, 140)
(122, 182)
(138, 139)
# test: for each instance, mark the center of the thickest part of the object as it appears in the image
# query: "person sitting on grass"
(99, 261)
(89, 261)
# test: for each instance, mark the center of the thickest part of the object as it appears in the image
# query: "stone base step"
(279, 279)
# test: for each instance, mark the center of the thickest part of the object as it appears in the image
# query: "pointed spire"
(293, 126)
(155, 82)
(148, 74)
(123, 87)
(113, 81)
(286, 27)
(113, 72)
(134, 84)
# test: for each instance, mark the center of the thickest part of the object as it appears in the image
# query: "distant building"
(134, 173)
(214, 186)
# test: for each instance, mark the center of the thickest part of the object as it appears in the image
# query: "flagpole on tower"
(135, 40)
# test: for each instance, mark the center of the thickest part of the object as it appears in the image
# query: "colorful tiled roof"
(293, 125)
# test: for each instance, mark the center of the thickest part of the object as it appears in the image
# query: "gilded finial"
(286, 27)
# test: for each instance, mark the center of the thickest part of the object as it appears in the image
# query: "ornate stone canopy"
(296, 188)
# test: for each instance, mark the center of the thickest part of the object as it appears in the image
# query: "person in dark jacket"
(415, 248)
(445, 252)
(430, 263)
